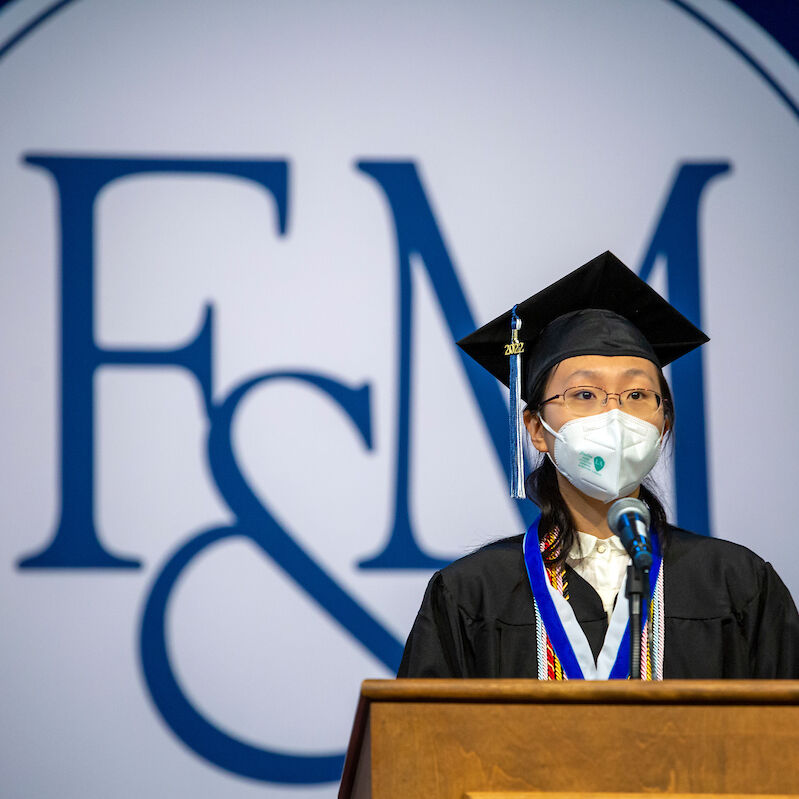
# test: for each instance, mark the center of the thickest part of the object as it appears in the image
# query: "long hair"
(542, 488)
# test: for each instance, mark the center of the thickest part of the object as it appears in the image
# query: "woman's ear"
(536, 430)
(667, 425)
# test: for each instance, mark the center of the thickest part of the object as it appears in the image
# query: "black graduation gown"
(727, 614)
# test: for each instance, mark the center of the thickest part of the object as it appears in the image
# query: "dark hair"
(542, 486)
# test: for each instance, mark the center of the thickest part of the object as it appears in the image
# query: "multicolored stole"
(562, 649)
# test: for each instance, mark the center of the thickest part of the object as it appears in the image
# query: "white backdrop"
(543, 134)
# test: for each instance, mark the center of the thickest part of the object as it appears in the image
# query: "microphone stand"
(629, 518)
(635, 592)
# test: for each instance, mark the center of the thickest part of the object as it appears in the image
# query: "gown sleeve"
(435, 646)
(773, 629)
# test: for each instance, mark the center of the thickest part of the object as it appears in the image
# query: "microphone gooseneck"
(629, 519)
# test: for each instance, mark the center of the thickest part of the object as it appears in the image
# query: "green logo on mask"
(598, 463)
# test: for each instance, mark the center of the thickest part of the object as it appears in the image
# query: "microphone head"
(627, 505)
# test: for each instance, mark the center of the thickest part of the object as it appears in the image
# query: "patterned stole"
(652, 638)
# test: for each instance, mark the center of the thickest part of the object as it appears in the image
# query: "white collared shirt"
(602, 563)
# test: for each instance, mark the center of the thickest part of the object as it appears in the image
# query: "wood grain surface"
(593, 795)
(517, 738)
(768, 692)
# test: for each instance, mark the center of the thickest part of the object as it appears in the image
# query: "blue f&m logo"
(77, 544)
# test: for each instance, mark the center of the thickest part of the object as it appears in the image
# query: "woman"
(587, 356)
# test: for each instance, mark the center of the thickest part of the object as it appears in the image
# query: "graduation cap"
(602, 308)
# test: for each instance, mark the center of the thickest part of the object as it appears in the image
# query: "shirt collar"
(585, 546)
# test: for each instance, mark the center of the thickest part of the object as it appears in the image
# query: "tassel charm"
(514, 351)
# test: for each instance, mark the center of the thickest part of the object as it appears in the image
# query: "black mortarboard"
(602, 308)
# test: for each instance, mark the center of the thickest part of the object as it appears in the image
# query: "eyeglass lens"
(588, 400)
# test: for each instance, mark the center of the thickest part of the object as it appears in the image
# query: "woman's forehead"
(603, 368)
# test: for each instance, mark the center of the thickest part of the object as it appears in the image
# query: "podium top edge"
(703, 692)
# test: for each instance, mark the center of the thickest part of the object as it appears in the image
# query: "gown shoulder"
(727, 614)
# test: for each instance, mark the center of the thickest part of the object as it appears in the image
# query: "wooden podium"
(524, 739)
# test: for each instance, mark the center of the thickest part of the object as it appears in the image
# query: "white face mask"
(608, 455)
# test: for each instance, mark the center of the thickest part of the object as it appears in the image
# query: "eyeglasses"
(589, 400)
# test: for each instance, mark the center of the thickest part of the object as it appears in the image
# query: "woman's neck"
(590, 515)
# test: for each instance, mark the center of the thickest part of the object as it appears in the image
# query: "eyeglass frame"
(608, 395)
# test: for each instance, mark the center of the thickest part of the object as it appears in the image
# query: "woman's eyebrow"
(594, 374)
(635, 371)
(585, 373)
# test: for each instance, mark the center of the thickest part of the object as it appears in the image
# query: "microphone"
(629, 519)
